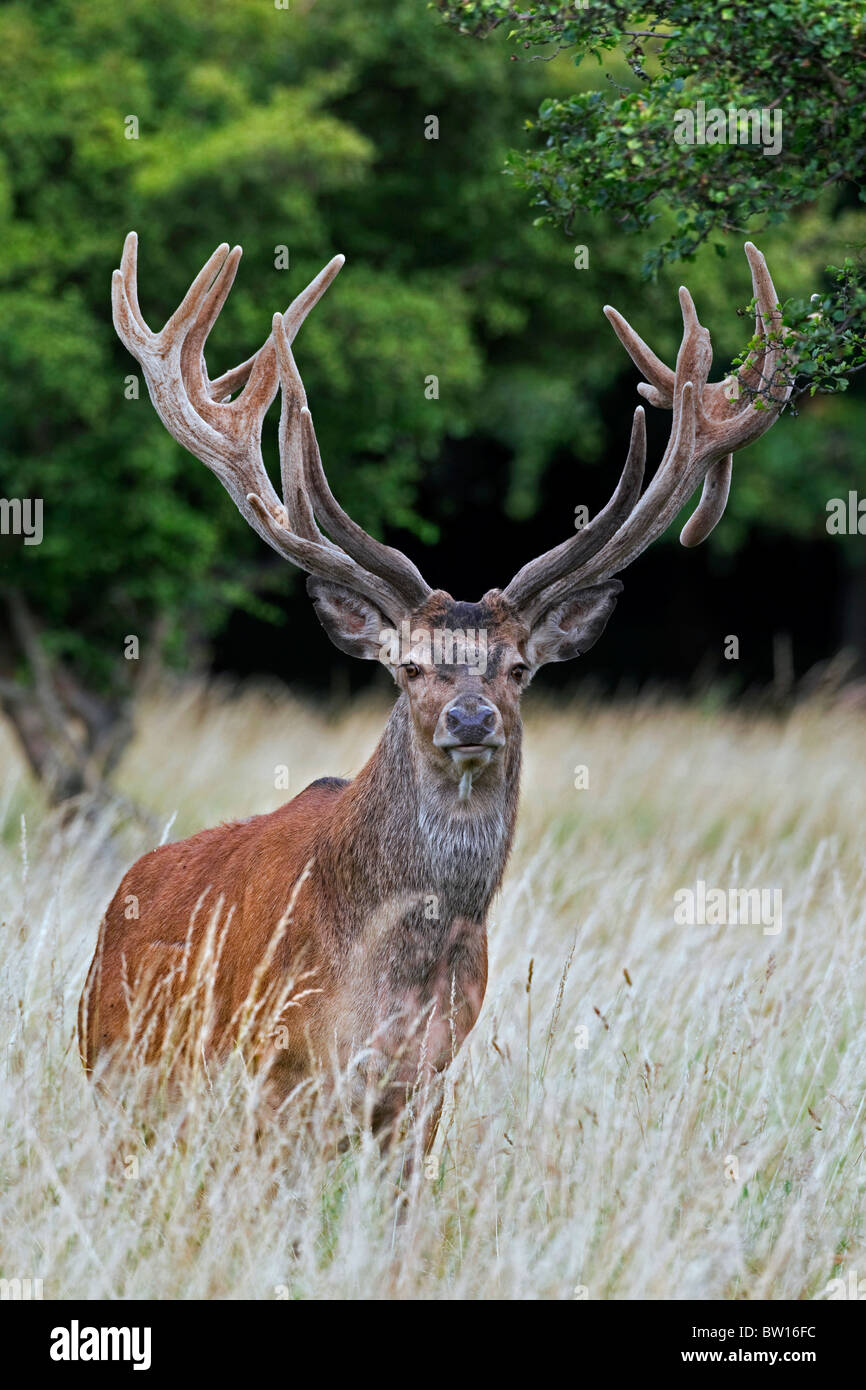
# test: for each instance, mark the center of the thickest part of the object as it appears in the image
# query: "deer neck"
(404, 834)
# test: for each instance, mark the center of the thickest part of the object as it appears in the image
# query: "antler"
(225, 434)
(709, 424)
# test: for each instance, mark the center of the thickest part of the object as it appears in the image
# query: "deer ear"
(352, 622)
(570, 628)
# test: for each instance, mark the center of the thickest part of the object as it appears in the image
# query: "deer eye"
(519, 671)
(412, 671)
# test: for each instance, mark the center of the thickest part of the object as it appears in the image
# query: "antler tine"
(297, 311)
(296, 493)
(389, 564)
(768, 324)
(547, 569)
(714, 498)
(300, 539)
(667, 493)
(695, 357)
(128, 274)
(735, 426)
(193, 365)
(241, 418)
(660, 391)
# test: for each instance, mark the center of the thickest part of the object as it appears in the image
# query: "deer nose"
(470, 720)
(470, 725)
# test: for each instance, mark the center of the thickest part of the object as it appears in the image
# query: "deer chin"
(469, 761)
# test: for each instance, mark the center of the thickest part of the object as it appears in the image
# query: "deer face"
(462, 667)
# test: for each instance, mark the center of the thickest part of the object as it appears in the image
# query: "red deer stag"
(361, 905)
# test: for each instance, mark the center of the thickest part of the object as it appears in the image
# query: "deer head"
(461, 667)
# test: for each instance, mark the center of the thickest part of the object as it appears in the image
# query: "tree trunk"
(72, 738)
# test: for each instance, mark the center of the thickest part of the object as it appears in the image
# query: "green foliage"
(615, 150)
(823, 340)
(626, 150)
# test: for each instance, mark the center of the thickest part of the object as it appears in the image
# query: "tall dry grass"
(644, 1110)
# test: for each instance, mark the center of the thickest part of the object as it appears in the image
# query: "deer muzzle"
(469, 730)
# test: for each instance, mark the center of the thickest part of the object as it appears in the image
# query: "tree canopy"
(725, 116)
